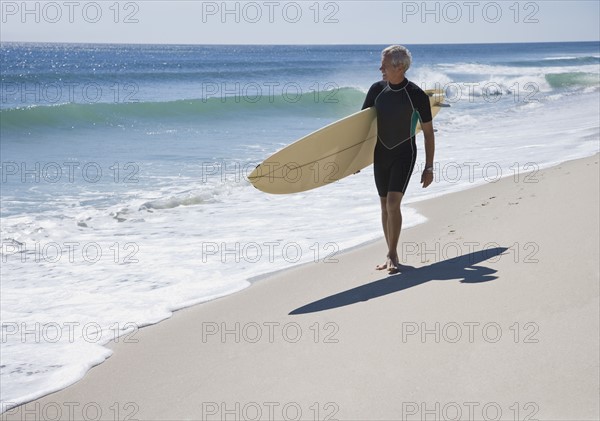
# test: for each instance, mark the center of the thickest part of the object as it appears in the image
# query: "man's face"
(389, 72)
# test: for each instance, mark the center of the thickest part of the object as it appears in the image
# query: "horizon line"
(285, 44)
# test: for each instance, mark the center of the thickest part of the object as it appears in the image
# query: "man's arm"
(374, 90)
(427, 176)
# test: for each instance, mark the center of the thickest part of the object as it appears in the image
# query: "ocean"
(124, 173)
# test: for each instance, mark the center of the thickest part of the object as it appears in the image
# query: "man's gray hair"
(400, 56)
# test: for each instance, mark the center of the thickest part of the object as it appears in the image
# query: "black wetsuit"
(399, 108)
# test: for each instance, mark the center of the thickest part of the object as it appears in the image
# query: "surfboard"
(329, 154)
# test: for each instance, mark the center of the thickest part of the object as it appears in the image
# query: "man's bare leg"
(384, 219)
(391, 218)
(394, 226)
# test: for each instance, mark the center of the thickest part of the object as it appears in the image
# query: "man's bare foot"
(385, 265)
(382, 267)
(393, 265)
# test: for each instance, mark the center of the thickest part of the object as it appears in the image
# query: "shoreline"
(337, 306)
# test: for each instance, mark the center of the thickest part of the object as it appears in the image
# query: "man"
(399, 104)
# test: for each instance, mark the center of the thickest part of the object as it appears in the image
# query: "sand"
(507, 330)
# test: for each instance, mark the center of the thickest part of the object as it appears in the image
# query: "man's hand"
(426, 177)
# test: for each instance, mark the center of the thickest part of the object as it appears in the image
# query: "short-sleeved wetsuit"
(399, 108)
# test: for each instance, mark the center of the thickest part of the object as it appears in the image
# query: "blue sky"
(299, 22)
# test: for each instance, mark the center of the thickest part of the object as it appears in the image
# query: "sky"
(299, 22)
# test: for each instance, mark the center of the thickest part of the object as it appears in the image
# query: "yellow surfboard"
(329, 154)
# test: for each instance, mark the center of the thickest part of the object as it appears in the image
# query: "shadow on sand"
(462, 267)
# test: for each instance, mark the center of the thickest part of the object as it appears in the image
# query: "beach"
(495, 315)
(125, 188)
